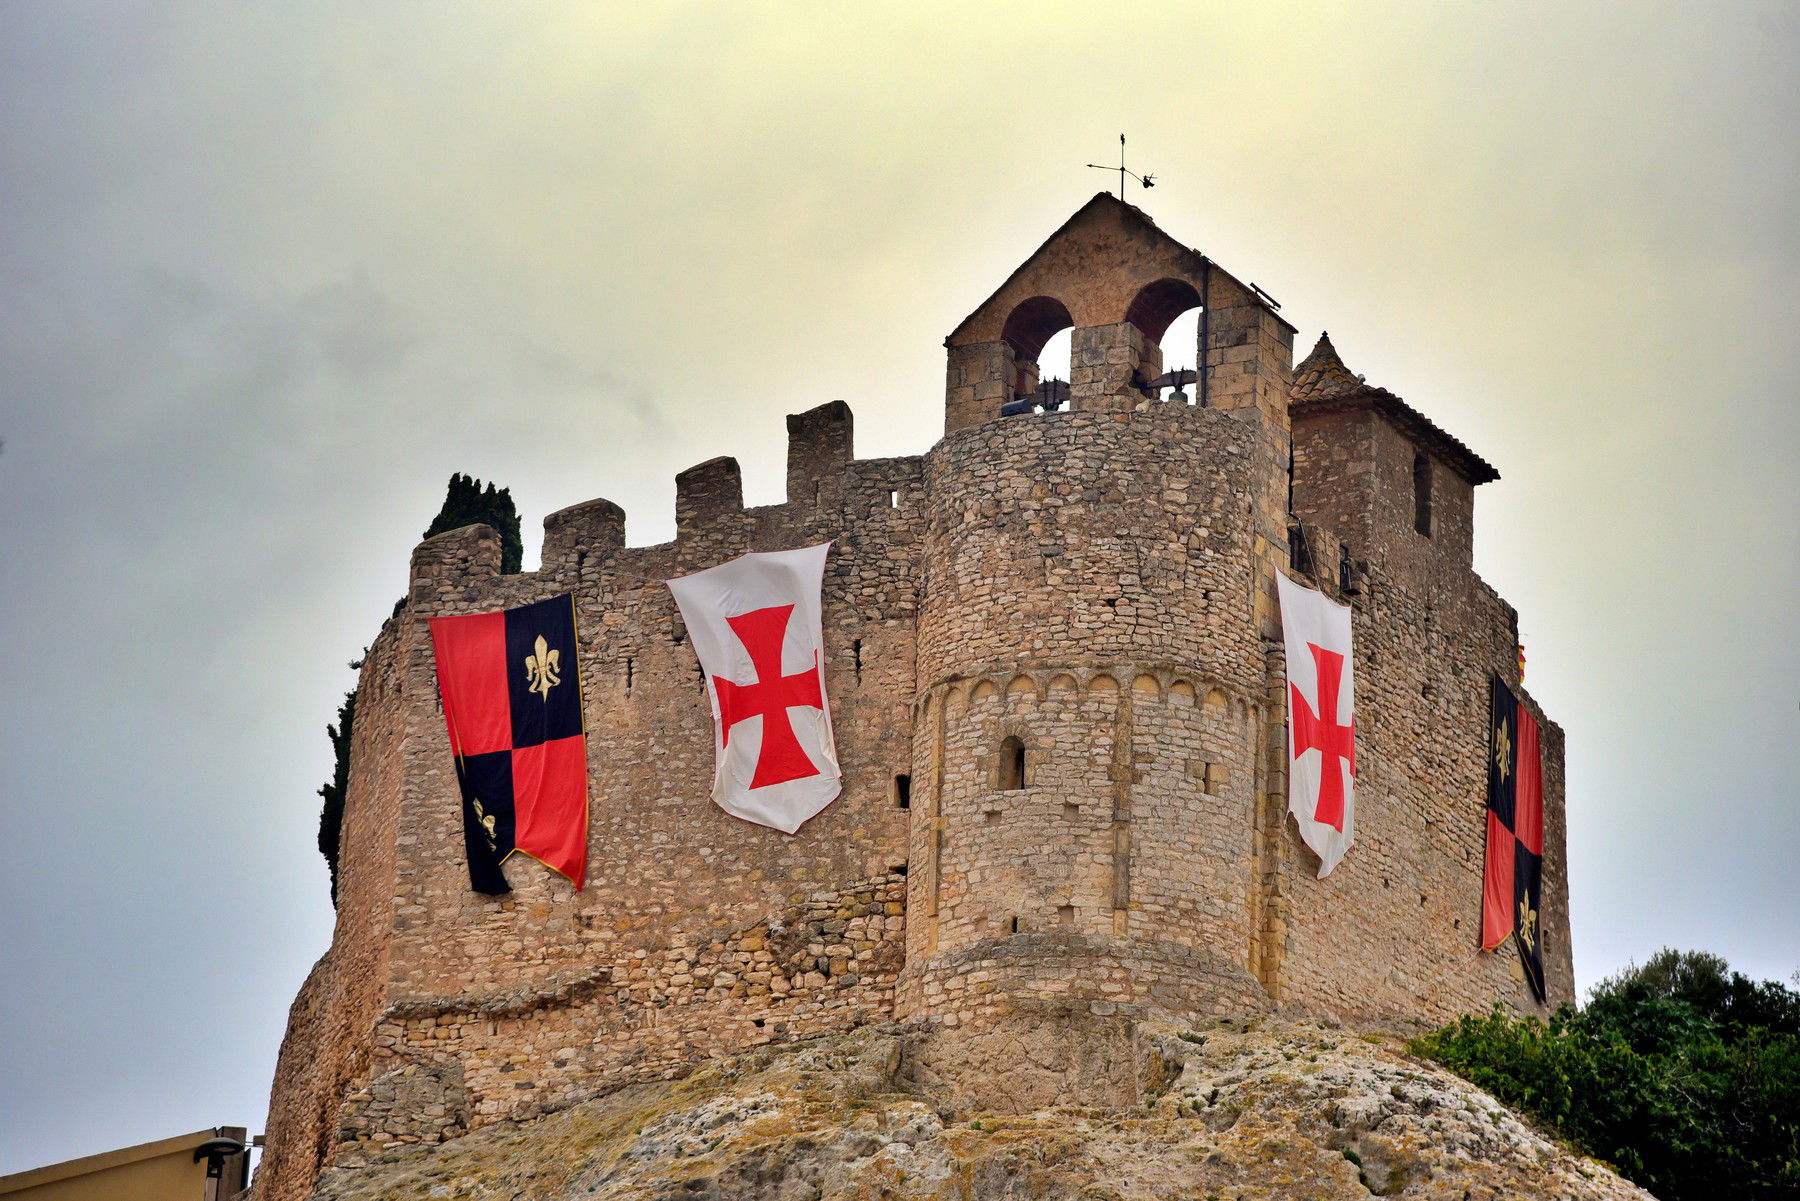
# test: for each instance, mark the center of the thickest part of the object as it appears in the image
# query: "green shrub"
(1682, 1075)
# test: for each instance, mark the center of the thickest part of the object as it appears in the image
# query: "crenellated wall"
(1054, 662)
(696, 932)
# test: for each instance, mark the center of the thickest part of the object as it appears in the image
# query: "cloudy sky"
(270, 273)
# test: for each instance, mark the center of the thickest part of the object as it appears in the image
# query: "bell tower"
(1090, 745)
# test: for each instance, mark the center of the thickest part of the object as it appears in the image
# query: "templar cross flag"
(756, 626)
(1321, 720)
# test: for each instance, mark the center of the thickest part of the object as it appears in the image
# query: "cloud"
(273, 274)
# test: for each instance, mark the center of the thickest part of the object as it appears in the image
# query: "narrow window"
(894, 498)
(856, 658)
(1015, 925)
(903, 791)
(630, 665)
(1422, 494)
(1012, 764)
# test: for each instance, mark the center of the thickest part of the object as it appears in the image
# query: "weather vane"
(1149, 181)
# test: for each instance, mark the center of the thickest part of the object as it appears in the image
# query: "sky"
(270, 273)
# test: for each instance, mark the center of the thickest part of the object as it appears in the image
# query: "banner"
(1321, 720)
(756, 625)
(511, 688)
(1512, 883)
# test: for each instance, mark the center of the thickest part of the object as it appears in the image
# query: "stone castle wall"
(1429, 634)
(1092, 580)
(1090, 591)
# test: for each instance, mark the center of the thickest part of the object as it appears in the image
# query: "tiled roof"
(1322, 373)
(1323, 385)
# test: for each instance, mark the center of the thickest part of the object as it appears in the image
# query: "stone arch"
(1103, 683)
(1158, 304)
(984, 690)
(955, 700)
(1020, 685)
(1182, 692)
(1153, 311)
(1216, 698)
(1062, 681)
(1147, 685)
(1030, 325)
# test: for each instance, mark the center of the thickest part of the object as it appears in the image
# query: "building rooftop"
(1324, 385)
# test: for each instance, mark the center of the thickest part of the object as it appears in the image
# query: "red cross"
(1332, 740)
(769, 696)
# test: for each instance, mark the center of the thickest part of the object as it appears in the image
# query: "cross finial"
(1147, 180)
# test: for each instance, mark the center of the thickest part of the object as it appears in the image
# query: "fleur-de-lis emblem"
(487, 823)
(1502, 749)
(1527, 923)
(544, 669)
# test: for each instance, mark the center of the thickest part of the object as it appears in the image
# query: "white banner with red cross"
(1321, 720)
(755, 622)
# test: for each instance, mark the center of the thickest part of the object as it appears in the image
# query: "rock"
(1241, 1111)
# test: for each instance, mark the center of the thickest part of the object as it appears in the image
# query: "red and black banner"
(1512, 886)
(512, 701)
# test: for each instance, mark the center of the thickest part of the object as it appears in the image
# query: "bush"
(1681, 1074)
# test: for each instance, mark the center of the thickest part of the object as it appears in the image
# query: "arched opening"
(1012, 764)
(1167, 312)
(1028, 331)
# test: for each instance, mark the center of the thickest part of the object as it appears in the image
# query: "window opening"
(1012, 764)
(1422, 494)
(903, 791)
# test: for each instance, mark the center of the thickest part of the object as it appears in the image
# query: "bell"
(1178, 397)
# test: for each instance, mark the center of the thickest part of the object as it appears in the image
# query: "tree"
(466, 502)
(1681, 1073)
(331, 814)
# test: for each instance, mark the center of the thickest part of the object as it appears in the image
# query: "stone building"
(1056, 674)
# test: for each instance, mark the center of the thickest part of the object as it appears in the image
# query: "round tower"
(1092, 671)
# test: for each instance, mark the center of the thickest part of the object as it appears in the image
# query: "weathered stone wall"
(1395, 928)
(1091, 589)
(826, 963)
(1095, 587)
(598, 987)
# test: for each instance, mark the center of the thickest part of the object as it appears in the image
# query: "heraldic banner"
(756, 625)
(1321, 720)
(1512, 885)
(512, 702)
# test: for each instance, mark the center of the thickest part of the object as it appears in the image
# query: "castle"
(1056, 677)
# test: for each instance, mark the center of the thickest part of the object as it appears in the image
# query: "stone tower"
(1054, 659)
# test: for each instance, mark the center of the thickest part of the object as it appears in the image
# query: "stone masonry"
(1055, 669)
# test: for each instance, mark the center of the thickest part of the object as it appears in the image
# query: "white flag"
(755, 623)
(1321, 720)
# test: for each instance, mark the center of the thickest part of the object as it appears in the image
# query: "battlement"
(827, 489)
(1053, 658)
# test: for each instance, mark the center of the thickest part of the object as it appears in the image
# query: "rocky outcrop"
(1254, 1110)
